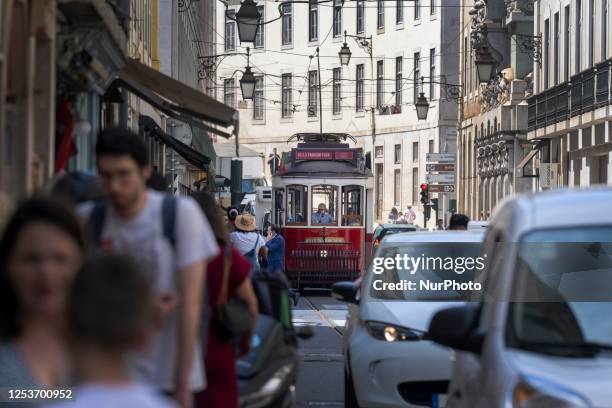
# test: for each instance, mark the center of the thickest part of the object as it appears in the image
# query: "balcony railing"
(583, 93)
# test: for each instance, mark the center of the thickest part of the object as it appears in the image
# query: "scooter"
(267, 375)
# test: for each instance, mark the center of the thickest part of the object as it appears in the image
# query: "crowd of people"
(117, 291)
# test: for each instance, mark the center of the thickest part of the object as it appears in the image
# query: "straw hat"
(245, 222)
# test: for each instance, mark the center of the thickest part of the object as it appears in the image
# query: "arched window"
(488, 128)
(297, 207)
(352, 212)
(495, 129)
(324, 205)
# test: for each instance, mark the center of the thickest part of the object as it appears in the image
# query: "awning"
(176, 99)
(529, 156)
(192, 156)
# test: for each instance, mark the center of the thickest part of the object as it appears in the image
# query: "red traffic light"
(423, 187)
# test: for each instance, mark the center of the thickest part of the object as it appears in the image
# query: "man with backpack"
(172, 241)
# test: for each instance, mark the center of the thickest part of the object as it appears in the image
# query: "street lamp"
(248, 18)
(344, 53)
(247, 83)
(422, 107)
(485, 64)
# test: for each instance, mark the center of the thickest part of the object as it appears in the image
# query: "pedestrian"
(248, 242)
(401, 219)
(276, 256)
(232, 213)
(458, 222)
(410, 215)
(220, 360)
(440, 224)
(172, 241)
(111, 313)
(393, 215)
(41, 252)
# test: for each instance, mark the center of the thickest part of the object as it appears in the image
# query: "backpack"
(98, 217)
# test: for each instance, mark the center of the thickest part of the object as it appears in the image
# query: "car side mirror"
(455, 327)
(345, 291)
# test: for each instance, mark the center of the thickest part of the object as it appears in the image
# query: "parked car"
(388, 360)
(383, 230)
(546, 340)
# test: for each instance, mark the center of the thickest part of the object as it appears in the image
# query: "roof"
(229, 150)
(397, 225)
(325, 168)
(435, 236)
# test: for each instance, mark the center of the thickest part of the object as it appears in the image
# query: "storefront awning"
(529, 156)
(176, 99)
(190, 155)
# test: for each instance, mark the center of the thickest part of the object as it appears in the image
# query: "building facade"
(493, 138)
(393, 45)
(569, 114)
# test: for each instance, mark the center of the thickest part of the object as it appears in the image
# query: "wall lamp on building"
(485, 64)
(422, 104)
(345, 52)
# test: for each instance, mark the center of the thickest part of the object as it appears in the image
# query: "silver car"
(388, 360)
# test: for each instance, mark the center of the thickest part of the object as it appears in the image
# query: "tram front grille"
(325, 260)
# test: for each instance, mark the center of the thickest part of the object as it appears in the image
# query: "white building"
(569, 115)
(409, 40)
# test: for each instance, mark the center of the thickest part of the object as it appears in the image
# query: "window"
(258, 99)
(566, 46)
(578, 43)
(297, 211)
(360, 16)
(399, 12)
(432, 7)
(324, 205)
(556, 48)
(417, 9)
(337, 91)
(604, 30)
(286, 96)
(313, 83)
(415, 185)
(465, 66)
(287, 24)
(229, 92)
(230, 30)
(398, 81)
(397, 187)
(397, 153)
(430, 148)
(380, 84)
(592, 33)
(261, 29)
(546, 52)
(352, 214)
(313, 20)
(378, 152)
(417, 74)
(432, 73)
(380, 12)
(415, 152)
(359, 85)
(337, 18)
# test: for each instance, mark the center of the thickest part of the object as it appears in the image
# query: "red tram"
(322, 200)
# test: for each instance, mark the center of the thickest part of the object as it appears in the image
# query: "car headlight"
(389, 332)
(534, 392)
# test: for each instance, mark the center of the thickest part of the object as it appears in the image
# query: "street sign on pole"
(440, 178)
(440, 157)
(442, 167)
(441, 188)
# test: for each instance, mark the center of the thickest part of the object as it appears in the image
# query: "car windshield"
(424, 271)
(566, 274)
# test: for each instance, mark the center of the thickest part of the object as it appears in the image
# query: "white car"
(388, 360)
(541, 334)
(477, 225)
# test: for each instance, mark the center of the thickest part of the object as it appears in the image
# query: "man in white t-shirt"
(134, 224)
(410, 215)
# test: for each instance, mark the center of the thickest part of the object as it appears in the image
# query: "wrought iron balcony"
(583, 93)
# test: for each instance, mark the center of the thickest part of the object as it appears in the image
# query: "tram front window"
(352, 214)
(324, 205)
(296, 205)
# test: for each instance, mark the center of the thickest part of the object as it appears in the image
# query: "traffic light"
(424, 194)
(434, 204)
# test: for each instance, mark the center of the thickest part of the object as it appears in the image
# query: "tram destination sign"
(441, 188)
(325, 154)
(440, 157)
(441, 167)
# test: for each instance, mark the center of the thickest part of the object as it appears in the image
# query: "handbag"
(231, 315)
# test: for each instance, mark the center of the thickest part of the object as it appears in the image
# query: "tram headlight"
(392, 333)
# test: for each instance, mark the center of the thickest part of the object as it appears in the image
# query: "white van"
(541, 333)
